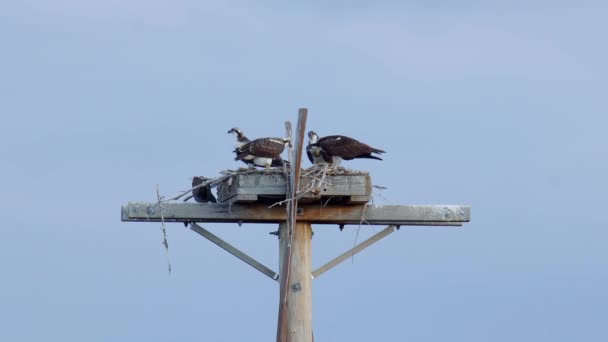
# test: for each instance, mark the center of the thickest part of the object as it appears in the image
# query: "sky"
(498, 105)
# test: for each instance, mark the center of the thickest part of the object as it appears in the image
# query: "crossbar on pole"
(396, 215)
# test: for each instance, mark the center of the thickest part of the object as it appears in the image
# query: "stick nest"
(317, 172)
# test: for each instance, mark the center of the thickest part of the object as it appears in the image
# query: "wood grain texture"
(312, 213)
(298, 316)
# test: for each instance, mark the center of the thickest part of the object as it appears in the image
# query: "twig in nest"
(322, 180)
(211, 182)
(162, 221)
(317, 174)
(225, 175)
(316, 181)
(287, 200)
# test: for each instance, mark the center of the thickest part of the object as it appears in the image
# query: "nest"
(318, 173)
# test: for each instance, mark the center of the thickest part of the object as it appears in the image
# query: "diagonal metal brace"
(234, 251)
(358, 248)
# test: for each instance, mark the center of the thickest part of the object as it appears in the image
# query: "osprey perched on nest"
(333, 148)
(263, 152)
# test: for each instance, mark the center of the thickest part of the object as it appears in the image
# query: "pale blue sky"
(498, 105)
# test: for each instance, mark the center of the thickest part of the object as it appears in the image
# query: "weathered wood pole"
(299, 293)
(295, 294)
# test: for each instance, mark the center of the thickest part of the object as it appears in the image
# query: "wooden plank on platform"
(353, 188)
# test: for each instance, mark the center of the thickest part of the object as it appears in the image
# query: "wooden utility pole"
(298, 325)
(240, 202)
(295, 296)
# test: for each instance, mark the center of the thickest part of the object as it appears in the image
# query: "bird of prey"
(202, 194)
(335, 148)
(263, 152)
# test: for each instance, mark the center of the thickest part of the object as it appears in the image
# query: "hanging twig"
(359, 228)
(379, 194)
(164, 230)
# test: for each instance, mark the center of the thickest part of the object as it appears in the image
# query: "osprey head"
(238, 134)
(312, 137)
(235, 130)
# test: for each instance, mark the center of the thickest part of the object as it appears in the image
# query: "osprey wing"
(345, 147)
(242, 152)
(309, 154)
(266, 147)
(316, 154)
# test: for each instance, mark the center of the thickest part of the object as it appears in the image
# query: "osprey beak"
(312, 137)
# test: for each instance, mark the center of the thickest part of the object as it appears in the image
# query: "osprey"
(202, 194)
(263, 152)
(333, 148)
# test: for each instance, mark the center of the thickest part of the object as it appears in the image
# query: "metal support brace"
(358, 248)
(234, 251)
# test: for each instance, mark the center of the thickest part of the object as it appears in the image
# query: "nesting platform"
(345, 187)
